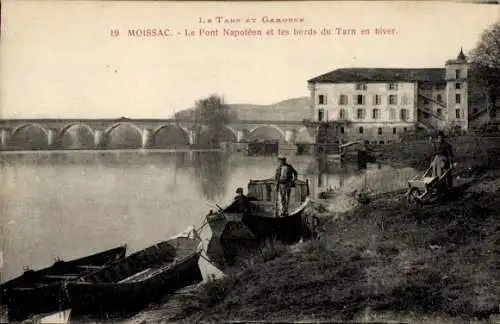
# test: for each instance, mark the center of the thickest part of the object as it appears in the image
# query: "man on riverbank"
(285, 177)
(443, 159)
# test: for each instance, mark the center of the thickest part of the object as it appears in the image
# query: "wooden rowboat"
(136, 281)
(236, 228)
(39, 291)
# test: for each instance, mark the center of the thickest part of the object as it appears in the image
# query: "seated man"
(240, 196)
(241, 203)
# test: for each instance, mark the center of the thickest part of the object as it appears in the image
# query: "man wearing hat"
(285, 177)
(443, 158)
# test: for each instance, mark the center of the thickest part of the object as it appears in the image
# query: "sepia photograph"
(249, 162)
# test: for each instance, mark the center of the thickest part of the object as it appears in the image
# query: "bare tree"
(485, 59)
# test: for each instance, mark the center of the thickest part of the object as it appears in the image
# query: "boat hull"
(27, 295)
(289, 229)
(235, 236)
(122, 298)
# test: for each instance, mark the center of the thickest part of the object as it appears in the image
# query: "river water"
(70, 204)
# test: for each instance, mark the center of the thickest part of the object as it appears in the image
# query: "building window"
(361, 130)
(458, 85)
(439, 112)
(403, 114)
(457, 74)
(393, 100)
(360, 99)
(405, 129)
(360, 114)
(394, 130)
(392, 114)
(377, 100)
(375, 114)
(361, 86)
(342, 130)
(404, 99)
(458, 98)
(393, 86)
(343, 100)
(321, 114)
(426, 115)
(342, 114)
(439, 98)
(322, 99)
(457, 113)
(379, 131)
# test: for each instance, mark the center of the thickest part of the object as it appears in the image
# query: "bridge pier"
(51, 137)
(290, 136)
(98, 138)
(192, 137)
(4, 137)
(241, 134)
(146, 138)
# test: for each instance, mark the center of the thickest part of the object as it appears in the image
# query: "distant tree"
(213, 113)
(485, 62)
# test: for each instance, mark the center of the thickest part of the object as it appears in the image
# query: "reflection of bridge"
(142, 133)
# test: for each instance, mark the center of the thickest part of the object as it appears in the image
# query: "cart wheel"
(413, 197)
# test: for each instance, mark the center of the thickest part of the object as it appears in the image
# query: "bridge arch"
(39, 139)
(129, 143)
(266, 133)
(112, 127)
(19, 128)
(233, 131)
(212, 136)
(66, 128)
(177, 135)
(83, 137)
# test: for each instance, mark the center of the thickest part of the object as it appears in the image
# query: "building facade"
(382, 104)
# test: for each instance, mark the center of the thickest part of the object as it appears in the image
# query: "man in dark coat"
(285, 178)
(443, 158)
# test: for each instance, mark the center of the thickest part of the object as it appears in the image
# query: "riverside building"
(382, 104)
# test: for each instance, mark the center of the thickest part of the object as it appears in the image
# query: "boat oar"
(215, 205)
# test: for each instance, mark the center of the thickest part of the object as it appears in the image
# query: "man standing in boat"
(285, 177)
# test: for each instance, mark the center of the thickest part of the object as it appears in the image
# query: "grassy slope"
(293, 109)
(442, 259)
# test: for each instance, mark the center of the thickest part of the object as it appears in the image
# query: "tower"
(457, 101)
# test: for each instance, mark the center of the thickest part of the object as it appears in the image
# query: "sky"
(60, 60)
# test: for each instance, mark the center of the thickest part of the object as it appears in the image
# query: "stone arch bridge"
(146, 133)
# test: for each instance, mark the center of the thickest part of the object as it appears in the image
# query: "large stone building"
(381, 104)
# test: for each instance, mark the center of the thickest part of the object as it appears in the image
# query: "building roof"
(351, 75)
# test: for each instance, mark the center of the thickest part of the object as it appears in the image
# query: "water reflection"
(211, 173)
(69, 204)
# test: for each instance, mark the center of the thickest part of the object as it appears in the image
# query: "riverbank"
(382, 261)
